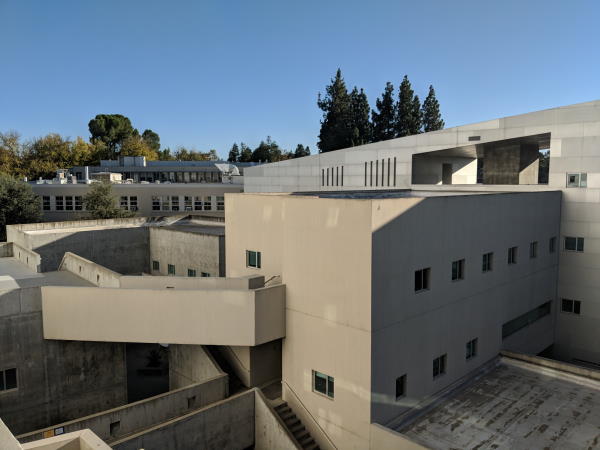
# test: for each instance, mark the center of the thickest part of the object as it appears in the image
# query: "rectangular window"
(552, 244)
(253, 259)
(388, 173)
(197, 203)
(207, 203)
(371, 175)
(165, 204)
(571, 306)
(512, 255)
(69, 203)
(471, 348)
(486, 265)
(323, 383)
(577, 180)
(171, 269)
(221, 203)
(394, 171)
(337, 176)
(520, 322)
(422, 279)
(400, 386)
(204, 274)
(175, 202)
(60, 206)
(365, 173)
(123, 203)
(8, 379)
(458, 270)
(187, 203)
(377, 173)
(78, 203)
(155, 265)
(155, 203)
(342, 179)
(46, 203)
(191, 272)
(439, 366)
(322, 177)
(133, 206)
(574, 244)
(533, 249)
(328, 176)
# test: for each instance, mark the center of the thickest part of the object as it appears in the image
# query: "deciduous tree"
(151, 139)
(18, 203)
(101, 203)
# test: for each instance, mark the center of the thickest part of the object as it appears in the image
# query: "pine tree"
(336, 126)
(234, 153)
(405, 120)
(301, 151)
(384, 121)
(245, 153)
(416, 124)
(361, 125)
(432, 118)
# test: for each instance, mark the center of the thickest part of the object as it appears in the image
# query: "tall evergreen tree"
(301, 151)
(416, 126)
(432, 118)
(405, 109)
(384, 121)
(361, 125)
(336, 126)
(234, 153)
(245, 153)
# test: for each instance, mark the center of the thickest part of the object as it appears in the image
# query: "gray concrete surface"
(515, 406)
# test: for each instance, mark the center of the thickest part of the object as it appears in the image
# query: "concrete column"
(511, 163)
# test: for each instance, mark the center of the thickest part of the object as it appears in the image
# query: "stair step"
(313, 447)
(301, 435)
(281, 406)
(308, 440)
(283, 411)
(288, 416)
(293, 424)
(296, 428)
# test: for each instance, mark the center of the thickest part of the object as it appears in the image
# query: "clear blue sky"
(205, 73)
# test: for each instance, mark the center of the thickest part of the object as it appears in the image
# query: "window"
(187, 203)
(69, 203)
(486, 264)
(171, 269)
(124, 204)
(197, 203)
(577, 180)
(574, 244)
(516, 324)
(400, 386)
(422, 279)
(220, 203)
(512, 255)
(471, 348)
(8, 379)
(133, 206)
(46, 203)
(155, 203)
(533, 249)
(164, 202)
(78, 203)
(571, 306)
(155, 265)
(252, 259)
(204, 274)
(439, 366)
(552, 244)
(175, 202)
(191, 272)
(458, 270)
(60, 206)
(323, 383)
(207, 203)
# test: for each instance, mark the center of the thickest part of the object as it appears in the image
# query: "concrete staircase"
(294, 425)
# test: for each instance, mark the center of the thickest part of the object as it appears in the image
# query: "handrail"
(299, 402)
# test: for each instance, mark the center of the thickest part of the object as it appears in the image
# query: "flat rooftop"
(15, 275)
(516, 405)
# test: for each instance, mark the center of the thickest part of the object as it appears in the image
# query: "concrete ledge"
(553, 364)
(88, 270)
(28, 257)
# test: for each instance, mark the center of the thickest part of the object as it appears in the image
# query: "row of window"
(423, 276)
(129, 202)
(171, 270)
(336, 178)
(172, 177)
(8, 379)
(380, 176)
(63, 203)
(189, 203)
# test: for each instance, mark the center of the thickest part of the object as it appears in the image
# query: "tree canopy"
(384, 119)
(432, 118)
(234, 153)
(408, 118)
(101, 203)
(112, 129)
(337, 123)
(18, 203)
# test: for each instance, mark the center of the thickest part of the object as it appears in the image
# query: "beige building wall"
(322, 249)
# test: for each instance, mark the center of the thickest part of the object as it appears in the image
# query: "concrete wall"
(226, 424)
(187, 283)
(174, 247)
(30, 258)
(411, 328)
(80, 440)
(189, 364)
(7, 440)
(118, 246)
(270, 432)
(206, 317)
(321, 249)
(140, 415)
(57, 381)
(143, 192)
(94, 273)
(428, 169)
